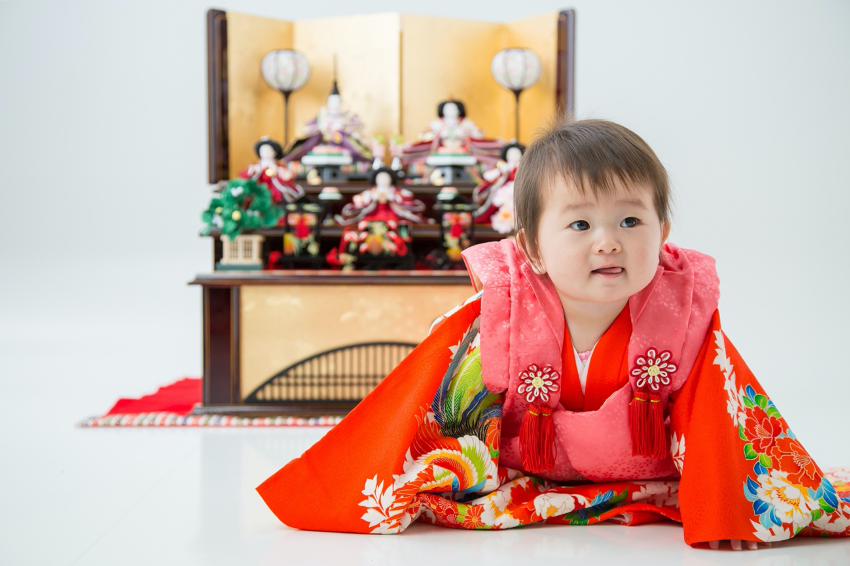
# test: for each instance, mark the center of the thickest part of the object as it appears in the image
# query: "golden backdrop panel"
(536, 104)
(445, 58)
(254, 109)
(368, 74)
(282, 325)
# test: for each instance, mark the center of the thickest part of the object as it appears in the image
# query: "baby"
(566, 389)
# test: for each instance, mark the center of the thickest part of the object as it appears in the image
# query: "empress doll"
(452, 134)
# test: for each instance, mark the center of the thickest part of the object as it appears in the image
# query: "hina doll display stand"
(452, 167)
(329, 166)
(315, 342)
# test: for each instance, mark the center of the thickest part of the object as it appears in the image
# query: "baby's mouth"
(609, 270)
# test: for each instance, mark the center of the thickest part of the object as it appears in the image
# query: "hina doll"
(452, 134)
(384, 201)
(589, 379)
(377, 221)
(494, 197)
(333, 130)
(277, 177)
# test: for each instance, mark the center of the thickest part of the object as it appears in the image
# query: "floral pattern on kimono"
(425, 446)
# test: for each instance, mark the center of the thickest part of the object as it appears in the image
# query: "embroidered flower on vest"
(653, 369)
(538, 382)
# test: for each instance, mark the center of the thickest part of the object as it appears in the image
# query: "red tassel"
(646, 424)
(537, 439)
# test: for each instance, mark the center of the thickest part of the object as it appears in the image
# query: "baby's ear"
(524, 247)
(665, 232)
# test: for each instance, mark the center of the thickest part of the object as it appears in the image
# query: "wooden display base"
(311, 410)
(313, 343)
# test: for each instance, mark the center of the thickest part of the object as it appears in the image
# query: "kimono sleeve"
(745, 475)
(323, 490)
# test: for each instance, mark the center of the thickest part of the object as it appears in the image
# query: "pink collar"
(671, 314)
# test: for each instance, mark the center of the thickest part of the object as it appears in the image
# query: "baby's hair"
(590, 154)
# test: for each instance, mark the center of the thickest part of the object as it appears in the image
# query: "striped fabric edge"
(176, 420)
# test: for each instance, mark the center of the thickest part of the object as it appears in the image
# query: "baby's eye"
(580, 225)
(629, 222)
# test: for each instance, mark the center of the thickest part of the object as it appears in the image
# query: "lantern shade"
(516, 69)
(285, 70)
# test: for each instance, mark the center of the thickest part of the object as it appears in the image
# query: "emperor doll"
(333, 130)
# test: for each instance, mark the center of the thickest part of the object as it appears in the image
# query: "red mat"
(172, 405)
(178, 398)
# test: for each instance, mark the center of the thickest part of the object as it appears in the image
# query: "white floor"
(185, 496)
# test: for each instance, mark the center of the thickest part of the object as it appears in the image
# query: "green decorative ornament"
(242, 205)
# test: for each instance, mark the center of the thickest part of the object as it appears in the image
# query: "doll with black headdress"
(383, 201)
(376, 222)
(333, 131)
(494, 197)
(277, 178)
(452, 134)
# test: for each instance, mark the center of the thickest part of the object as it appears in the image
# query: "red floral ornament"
(653, 370)
(646, 409)
(537, 383)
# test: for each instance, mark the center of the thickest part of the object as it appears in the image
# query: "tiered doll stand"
(315, 342)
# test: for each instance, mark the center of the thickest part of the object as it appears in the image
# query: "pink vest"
(523, 325)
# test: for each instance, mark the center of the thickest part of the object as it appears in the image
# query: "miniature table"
(453, 167)
(328, 165)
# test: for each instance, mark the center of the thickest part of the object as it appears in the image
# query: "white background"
(103, 159)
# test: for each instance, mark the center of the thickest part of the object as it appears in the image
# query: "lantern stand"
(516, 92)
(286, 94)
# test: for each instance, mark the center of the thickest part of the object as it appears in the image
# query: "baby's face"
(599, 250)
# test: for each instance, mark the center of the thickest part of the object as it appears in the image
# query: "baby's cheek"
(647, 270)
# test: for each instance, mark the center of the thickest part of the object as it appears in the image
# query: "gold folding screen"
(253, 109)
(444, 58)
(392, 70)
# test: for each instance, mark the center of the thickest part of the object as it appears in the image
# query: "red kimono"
(277, 179)
(485, 424)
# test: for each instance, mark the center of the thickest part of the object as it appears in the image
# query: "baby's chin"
(600, 298)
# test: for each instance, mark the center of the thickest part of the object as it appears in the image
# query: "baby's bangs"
(592, 155)
(596, 169)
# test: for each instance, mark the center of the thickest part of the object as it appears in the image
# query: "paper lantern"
(516, 70)
(285, 70)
